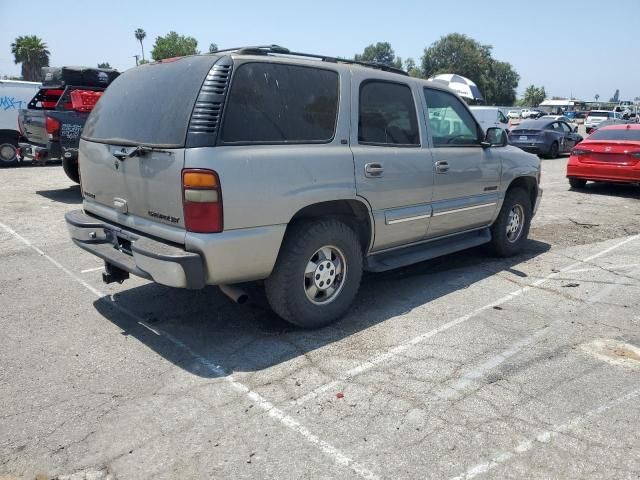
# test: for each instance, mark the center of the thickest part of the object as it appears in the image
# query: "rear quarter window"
(277, 103)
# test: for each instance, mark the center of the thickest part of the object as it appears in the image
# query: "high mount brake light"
(202, 201)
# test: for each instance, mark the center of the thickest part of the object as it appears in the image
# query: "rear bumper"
(37, 152)
(610, 173)
(142, 256)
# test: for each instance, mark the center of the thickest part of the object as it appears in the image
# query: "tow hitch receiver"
(113, 274)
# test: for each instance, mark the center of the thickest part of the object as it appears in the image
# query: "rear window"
(150, 104)
(600, 114)
(276, 103)
(616, 134)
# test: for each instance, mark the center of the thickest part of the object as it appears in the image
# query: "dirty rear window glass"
(275, 103)
(150, 104)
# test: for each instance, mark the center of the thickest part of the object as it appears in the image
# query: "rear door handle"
(373, 170)
(442, 167)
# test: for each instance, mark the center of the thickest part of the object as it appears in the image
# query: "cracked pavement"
(465, 366)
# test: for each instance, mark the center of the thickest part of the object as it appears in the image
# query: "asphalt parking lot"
(463, 367)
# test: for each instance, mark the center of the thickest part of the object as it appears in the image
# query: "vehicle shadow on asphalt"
(70, 195)
(611, 190)
(250, 337)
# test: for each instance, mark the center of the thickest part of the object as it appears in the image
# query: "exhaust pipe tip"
(236, 294)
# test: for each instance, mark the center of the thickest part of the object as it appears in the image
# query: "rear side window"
(628, 134)
(150, 104)
(275, 103)
(387, 115)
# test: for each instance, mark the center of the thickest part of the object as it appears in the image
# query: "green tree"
(534, 96)
(411, 68)
(501, 83)
(213, 47)
(104, 65)
(458, 53)
(32, 53)
(381, 52)
(140, 35)
(174, 45)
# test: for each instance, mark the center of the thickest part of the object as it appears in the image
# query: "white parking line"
(400, 349)
(479, 372)
(543, 437)
(92, 269)
(271, 410)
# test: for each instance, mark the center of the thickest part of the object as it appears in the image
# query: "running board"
(426, 251)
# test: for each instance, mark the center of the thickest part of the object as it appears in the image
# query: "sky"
(580, 48)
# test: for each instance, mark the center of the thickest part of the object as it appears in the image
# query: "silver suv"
(295, 169)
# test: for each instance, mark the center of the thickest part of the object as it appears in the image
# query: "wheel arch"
(353, 212)
(528, 184)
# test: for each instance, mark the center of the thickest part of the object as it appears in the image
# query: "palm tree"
(140, 35)
(32, 52)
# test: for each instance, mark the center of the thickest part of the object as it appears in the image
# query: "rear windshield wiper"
(139, 151)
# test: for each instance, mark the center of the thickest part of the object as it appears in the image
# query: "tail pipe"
(234, 293)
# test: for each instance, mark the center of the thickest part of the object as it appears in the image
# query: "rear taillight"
(202, 201)
(51, 125)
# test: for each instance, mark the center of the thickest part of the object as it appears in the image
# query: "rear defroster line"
(269, 408)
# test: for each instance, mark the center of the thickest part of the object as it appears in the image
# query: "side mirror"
(575, 129)
(496, 137)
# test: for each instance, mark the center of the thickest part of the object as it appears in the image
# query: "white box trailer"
(14, 95)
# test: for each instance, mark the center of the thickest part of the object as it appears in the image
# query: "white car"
(490, 117)
(596, 116)
(514, 114)
(14, 96)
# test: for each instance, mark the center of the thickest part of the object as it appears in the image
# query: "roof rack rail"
(278, 50)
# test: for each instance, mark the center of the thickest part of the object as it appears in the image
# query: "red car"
(610, 154)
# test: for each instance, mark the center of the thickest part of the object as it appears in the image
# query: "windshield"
(626, 134)
(150, 104)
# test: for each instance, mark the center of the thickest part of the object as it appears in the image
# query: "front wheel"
(317, 274)
(510, 230)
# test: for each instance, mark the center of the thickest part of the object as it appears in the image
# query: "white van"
(14, 95)
(491, 117)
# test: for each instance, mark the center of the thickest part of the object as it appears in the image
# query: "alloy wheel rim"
(324, 275)
(515, 223)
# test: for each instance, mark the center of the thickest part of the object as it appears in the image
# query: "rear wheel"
(70, 167)
(554, 150)
(8, 151)
(510, 230)
(317, 274)
(577, 182)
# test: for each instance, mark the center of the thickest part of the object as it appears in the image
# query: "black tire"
(286, 288)
(501, 245)
(577, 183)
(9, 151)
(554, 150)
(70, 167)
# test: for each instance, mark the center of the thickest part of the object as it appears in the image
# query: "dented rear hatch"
(132, 147)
